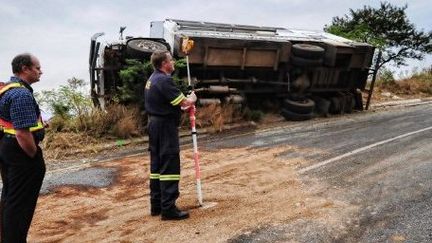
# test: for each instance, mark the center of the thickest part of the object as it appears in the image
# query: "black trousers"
(164, 162)
(22, 178)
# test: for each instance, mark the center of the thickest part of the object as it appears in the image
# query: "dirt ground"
(251, 189)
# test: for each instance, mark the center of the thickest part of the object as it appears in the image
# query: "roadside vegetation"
(418, 84)
(76, 124)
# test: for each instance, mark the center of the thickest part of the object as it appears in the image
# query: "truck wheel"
(304, 106)
(143, 48)
(336, 106)
(358, 101)
(308, 51)
(349, 104)
(305, 62)
(321, 106)
(292, 116)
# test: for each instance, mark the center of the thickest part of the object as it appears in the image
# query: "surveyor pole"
(187, 45)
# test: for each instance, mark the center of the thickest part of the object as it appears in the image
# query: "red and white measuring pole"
(196, 154)
(187, 46)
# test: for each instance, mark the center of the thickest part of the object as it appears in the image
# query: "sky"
(58, 32)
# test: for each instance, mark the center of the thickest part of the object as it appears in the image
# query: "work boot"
(174, 214)
(155, 211)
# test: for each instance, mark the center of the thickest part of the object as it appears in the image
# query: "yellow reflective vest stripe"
(39, 126)
(7, 126)
(10, 86)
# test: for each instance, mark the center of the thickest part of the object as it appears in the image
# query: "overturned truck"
(304, 72)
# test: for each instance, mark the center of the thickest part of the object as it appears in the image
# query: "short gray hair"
(21, 60)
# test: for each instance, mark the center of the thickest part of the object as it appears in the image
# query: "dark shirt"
(18, 106)
(162, 97)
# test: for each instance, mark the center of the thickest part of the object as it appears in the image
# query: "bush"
(74, 113)
(418, 83)
(135, 75)
(252, 115)
(386, 78)
(67, 101)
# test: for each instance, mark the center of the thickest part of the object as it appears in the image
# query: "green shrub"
(386, 78)
(135, 75)
(252, 115)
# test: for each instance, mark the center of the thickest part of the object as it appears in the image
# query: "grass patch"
(214, 116)
(419, 83)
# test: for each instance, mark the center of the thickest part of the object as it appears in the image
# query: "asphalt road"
(378, 163)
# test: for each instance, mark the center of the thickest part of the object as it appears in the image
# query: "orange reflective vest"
(7, 126)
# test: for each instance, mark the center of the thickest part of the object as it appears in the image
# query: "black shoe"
(155, 211)
(174, 214)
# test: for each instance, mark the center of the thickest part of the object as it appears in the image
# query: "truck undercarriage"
(303, 71)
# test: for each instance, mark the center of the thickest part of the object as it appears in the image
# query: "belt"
(159, 118)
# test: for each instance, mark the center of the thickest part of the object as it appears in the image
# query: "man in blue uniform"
(163, 103)
(21, 160)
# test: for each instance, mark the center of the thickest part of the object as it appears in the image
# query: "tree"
(386, 28)
(134, 75)
(68, 100)
(133, 78)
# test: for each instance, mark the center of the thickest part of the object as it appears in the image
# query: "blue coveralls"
(162, 99)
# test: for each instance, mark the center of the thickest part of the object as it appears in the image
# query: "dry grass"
(57, 144)
(127, 127)
(215, 116)
(117, 121)
(96, 127)
(101, 127)
(419, 84)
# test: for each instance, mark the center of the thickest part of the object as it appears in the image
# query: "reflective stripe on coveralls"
(173, 177)
(169, 177)
(177, 100)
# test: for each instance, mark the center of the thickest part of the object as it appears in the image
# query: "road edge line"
(328, 161)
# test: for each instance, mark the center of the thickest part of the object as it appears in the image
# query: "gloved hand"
(185, 108)
(192, 97)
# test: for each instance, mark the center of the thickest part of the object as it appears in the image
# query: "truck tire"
(308, 51)
(143, 48)
(292, 116)
(322, 106)
(349, 104)
(304, 106)
(335, 105)
(304, 62)
(358, 101)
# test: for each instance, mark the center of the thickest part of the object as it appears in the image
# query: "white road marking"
(325, 162)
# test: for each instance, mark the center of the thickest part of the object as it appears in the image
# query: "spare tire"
(304, 106)
(308, 51)
(143, 48)
(292, 116)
